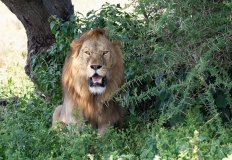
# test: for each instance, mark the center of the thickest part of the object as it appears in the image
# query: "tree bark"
(34, 16)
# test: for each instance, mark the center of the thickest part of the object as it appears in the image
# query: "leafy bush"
(26, 134)
(177, 57)
(183, 56)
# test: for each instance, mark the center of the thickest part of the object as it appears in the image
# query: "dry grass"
(13, 80)
(13, 39)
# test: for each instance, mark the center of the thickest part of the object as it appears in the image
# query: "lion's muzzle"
(97, 81)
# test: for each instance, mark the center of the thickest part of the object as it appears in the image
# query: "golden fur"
(93, 53)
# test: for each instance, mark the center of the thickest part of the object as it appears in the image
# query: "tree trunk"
(34, 16)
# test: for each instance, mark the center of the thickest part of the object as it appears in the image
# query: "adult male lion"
(93, 70)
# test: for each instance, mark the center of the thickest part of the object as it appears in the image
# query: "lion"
(92, 71)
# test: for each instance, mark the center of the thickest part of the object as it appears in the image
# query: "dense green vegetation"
(178, 87)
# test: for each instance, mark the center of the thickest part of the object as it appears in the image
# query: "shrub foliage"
(177, 57)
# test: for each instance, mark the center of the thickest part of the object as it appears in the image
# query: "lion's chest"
(99, 113)
(93, 113)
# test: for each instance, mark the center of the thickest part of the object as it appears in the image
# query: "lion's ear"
(107, 32)
(116, 43)
(76, 46)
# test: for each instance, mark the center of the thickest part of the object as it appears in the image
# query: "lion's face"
(96, 57)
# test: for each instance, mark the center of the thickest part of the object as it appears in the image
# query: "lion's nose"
(95, 67)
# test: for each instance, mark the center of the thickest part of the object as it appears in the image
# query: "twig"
(5, 101)
(209, 121)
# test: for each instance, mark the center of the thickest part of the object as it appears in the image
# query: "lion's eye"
(105, 53)
(87, 52)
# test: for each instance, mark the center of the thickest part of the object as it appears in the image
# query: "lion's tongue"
(97, 79)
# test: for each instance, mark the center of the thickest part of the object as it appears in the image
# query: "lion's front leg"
(71, 113)
(66, 114)
(102, 129)
(58, 115)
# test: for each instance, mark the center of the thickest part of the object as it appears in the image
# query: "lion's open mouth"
(97, 80)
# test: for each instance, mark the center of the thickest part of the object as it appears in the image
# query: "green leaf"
(64, 29)
(10, 80)
(221, 101)
(164, 96)
(53, 27)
